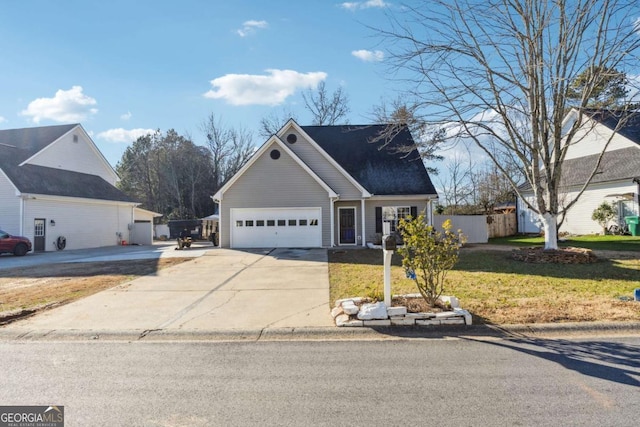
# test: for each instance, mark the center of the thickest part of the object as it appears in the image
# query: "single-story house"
(617, 179)
(323, 186)
(57, 189)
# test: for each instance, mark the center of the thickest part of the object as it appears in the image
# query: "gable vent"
(292, 138)
(75, 138)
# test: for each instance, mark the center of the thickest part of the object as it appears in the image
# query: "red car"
(16, 245)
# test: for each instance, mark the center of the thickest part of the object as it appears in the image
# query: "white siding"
(528, 221)
(591, 141)
(322, 167)
(270, 183)
(83, 224)
(80, 156)
(578, 220)
(9, 207)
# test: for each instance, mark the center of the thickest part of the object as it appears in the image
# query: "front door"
(38, 234)
(347, 220)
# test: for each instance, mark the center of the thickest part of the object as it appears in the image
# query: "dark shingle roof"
(616, 165)
(388, 170)
(17, 145)
(630, 127)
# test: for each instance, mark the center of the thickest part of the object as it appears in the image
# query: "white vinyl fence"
(474, 227)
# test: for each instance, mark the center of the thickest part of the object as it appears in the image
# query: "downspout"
(637, 181)
(331, 222)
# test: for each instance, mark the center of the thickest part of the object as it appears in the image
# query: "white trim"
(273, 140)
(28, 196)
(292, 123)
(355, 226)
(405, 197)
(364, 227)
(147, 212)
(332, 210)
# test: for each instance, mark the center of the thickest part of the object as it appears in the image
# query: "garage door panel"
(276, 227)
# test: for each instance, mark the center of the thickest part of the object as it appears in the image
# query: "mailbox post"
(388, 246)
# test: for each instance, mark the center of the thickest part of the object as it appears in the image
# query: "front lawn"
(603, 243)
(499, 290)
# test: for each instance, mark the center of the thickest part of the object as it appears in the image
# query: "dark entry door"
(347, 226)
(39, 235)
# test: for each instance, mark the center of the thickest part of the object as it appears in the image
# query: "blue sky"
(123, 68)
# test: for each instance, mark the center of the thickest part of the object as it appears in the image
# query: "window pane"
(260, 223)
(292, 222)
(302, 222)
(238, 223)
(404, 212)
(282, 222)
(271, 223)
(249, 223)
(388, 213)
(313, 222)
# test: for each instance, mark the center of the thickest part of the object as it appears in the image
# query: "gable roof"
(382, 171)
(630, 127)
(616, 165)
(277, 141)
(18, 145)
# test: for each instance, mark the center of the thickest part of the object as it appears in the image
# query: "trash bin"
(632, 222)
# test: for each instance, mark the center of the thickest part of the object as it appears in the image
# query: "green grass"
(603, 243)
(500, 290)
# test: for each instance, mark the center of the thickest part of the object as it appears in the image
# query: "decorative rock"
(432, 322)
(373, 311)
(403, 321)
(336, 311)
(349, 307)
(452, 301)
(353, 323)
(468, 319)
(445, 314)
(420, 315)
(396, 311)
(386, 322)
(342, 319)
(453, 321)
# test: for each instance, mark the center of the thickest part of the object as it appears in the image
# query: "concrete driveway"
(220, 290)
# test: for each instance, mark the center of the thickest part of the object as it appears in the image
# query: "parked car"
(17, 245)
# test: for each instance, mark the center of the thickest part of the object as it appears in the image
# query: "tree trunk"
(549, 223)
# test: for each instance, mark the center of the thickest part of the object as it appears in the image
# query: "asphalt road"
(439, 382)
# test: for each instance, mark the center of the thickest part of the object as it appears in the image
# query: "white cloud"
(2, 119)
(271, 89)
(123, 135)
(368, 55)
(250, 27)
(355, 5)
(126, 116)
(66, 106)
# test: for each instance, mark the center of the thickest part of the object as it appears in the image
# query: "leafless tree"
(271, 123)
(327, 110)
(499, 72)
(455, 185)
(230, 149)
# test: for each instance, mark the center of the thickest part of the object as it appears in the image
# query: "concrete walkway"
(221, 290)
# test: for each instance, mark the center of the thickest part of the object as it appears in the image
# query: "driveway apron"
(221, 290)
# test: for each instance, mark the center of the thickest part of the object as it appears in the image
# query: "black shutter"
(414, 211)
(378, 219)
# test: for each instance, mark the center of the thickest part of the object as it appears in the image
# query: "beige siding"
(9, 207)
(370, 212)
(277, 183)
(83, 224)
(322, 167)
(80, 156)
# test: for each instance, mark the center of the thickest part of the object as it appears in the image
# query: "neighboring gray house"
(617, 180)
(322, 186)
(56, 186)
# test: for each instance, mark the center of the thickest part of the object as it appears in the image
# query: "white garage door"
(276, 228)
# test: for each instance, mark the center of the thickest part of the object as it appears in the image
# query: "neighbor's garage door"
(276, 228)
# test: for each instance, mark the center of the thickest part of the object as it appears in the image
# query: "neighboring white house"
(57, 189)
(617, 179)
(320, 186)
